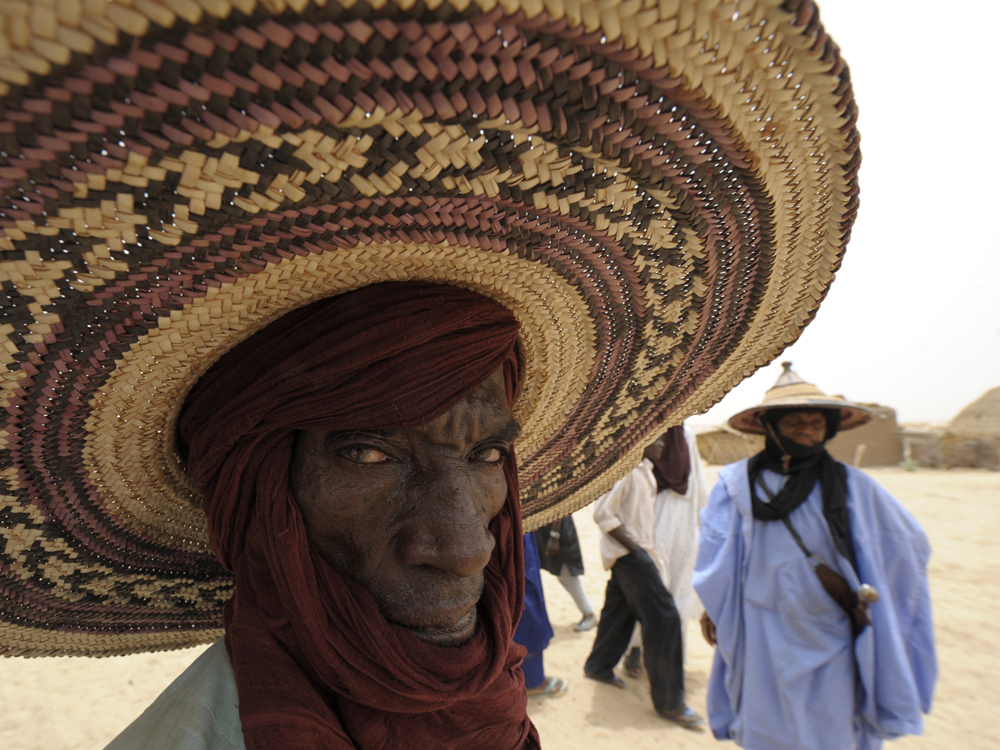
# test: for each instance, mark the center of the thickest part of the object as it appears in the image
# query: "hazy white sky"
(913, 319)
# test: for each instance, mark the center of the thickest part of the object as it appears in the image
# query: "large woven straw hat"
(790, 392)
(661, 192)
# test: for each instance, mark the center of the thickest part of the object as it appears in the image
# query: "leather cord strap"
(834, 583)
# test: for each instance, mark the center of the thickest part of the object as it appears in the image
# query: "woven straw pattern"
(792, 391)
(660, 191)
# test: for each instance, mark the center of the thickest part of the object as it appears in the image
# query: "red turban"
(673, 467)
(316, 664)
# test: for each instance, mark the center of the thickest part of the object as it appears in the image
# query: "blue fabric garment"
(534, 630)
(533, 667)
(787, 674)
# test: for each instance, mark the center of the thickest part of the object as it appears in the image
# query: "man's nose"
(449, 531)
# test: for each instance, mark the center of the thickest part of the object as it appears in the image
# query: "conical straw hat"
(660, 192)
(791, 391)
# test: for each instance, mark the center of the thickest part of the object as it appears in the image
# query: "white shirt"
(631, 503)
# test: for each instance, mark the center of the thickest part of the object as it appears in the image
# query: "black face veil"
(804, 465)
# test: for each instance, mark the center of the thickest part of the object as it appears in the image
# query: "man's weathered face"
(654, 450)
(804, 427)
(405, 511)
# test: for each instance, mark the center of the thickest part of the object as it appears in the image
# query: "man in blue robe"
(806, 657)
(534, 631)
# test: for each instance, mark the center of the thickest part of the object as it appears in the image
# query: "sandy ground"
(80, 704)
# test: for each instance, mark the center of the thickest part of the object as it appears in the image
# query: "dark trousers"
(636, 592)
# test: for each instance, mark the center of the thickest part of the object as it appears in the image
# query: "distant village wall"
(722, 446)
(946, 448)
(882, 443)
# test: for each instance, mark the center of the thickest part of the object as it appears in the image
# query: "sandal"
(551, 687)
(589, 622)
(685, 717)
(633, 663)
(613, 680)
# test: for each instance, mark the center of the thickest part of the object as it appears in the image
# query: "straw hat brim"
(661, 195)
(851, 415)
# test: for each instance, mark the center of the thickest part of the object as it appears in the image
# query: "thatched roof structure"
(971, 439)
(982, 415)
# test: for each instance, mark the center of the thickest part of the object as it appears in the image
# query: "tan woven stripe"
(36, 642)
(204, 179)
(64, 565)
(35, 279)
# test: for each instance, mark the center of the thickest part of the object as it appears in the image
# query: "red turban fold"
(673, 467)
(317, 666)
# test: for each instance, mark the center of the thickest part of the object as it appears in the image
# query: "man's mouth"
(807, 440)
(450, 635)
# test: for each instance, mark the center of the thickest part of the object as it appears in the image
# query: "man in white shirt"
(682, 492)
(626, 516)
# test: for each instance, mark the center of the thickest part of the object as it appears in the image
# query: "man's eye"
(365, 454)
(489, 455)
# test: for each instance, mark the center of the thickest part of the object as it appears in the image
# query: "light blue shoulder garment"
(199, 711)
